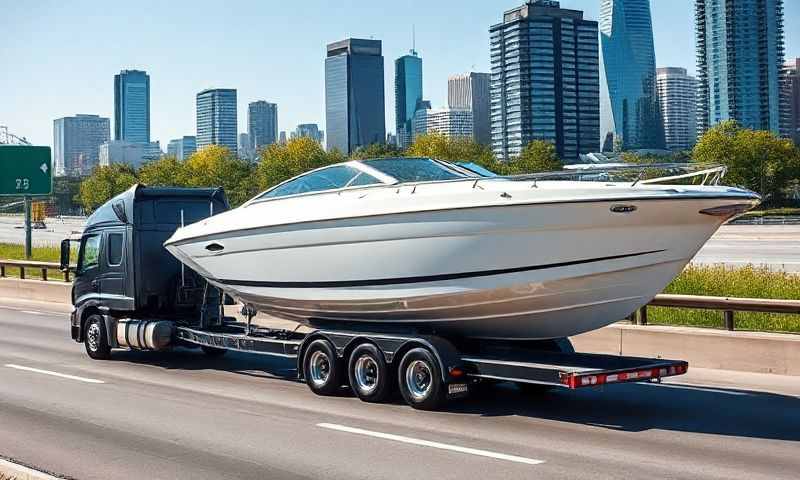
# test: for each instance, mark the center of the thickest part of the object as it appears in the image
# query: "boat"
(431, 245)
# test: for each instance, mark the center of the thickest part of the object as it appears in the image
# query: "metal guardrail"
(42, 267)
(728, 305)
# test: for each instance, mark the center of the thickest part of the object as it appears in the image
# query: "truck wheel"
(213, 352)
(321, 368)
(96, 339)
(368, 374)
(420, 380)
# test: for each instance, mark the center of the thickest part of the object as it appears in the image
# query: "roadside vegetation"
(13, 251)
(723, 281)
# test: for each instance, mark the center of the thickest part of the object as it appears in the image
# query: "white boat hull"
(518, 271)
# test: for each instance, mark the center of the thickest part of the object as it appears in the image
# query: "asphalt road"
(182, 415)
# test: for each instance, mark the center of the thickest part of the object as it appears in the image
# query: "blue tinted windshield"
(414, 169)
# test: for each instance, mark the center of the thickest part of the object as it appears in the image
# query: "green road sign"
(25, 170)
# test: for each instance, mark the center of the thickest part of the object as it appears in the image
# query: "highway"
(182, 415)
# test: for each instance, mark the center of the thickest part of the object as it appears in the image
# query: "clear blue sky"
(59, 58)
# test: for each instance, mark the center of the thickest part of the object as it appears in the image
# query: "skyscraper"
(310, 130)
(76, 143)
(216, 118)
(545, 80)
(470, 91)
(407, 92)
(182, 148)
(792, 101)
(677, 93)
(739, 62)
(631, 111)
(132, 106)
(449, 122)
(354, 96)
(262, 124)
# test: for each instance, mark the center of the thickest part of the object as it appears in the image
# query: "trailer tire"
(420, 380)
(213, 351)
(321, 368)
(368, 373)
(96, 338)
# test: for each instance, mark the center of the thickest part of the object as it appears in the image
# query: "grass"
(773, 212)
(722, 281)
(12, 251)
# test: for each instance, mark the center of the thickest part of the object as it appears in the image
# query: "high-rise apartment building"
(470, 91)
(217, 118)
(629, 99)
(76, 143)
(310, 130)
(262, 124)
(450, 122)
(407, 92)
(132, 106)
(791, 101)
(739, 62)
(354, 95)
(182, 148)
(677, 93)
(545, 80)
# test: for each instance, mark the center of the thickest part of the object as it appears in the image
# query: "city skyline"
(293, 77)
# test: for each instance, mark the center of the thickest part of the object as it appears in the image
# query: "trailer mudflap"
(572, 370)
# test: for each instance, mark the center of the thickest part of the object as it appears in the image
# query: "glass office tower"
(354, 95)
(407, 92)
(739, 62)
(545, 81)
(217, 119)
(631, 111)
(76, 143)
(132, 106)
(471, 91)
(262, 124)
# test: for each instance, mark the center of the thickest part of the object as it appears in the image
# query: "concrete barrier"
(705, 348)
(35, 290)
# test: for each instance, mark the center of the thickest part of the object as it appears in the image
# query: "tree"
(165, 172)
(299, 155)
(216, 166)
(376, 150)
(537, 156)
(756, 159)
(104, 183)
(454, 149)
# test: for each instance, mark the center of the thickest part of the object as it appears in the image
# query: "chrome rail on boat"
(708, 174)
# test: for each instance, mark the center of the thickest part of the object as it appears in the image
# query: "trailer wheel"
(420, 380)
(213, 352)
(96, 339)
(369, 374)
(321, 368)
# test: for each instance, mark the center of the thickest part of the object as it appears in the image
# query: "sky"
(59, 58)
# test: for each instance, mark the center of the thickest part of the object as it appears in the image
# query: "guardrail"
(42, 267)
(728, 305)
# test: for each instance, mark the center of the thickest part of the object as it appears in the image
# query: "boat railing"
(678, 173)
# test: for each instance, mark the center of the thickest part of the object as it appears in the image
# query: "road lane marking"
(31, 312)
(427, 443)
(55, 374)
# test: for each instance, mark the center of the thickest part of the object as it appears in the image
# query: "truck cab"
(123, 269)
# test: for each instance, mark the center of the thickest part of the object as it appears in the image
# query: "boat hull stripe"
(424, 279)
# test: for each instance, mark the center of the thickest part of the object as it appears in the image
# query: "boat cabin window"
(331, 178)
(414, 169)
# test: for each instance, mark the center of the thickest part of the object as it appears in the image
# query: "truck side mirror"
(65, 251)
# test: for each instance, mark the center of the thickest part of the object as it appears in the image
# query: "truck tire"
(369, 374)
(420, 380)
(96, 338)
(321, 368)
(213, 352)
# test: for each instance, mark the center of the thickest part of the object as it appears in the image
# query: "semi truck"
(129, 292)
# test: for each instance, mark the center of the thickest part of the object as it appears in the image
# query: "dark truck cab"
(123, 270)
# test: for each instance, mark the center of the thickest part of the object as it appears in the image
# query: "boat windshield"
(407, 170)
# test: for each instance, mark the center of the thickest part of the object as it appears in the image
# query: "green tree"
(281, 162)
(376, 150)
(756, 159)
(537, 156)
(165, 172)
(104, 183)
(454, 149)
(216, 166)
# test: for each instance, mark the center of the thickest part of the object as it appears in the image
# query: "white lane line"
(426, 443)
(55, 374)
(21, 471)
(700, 388)
(31, 312)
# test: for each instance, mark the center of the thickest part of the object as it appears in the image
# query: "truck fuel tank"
(145, 334)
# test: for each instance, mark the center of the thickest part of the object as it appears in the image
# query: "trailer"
(129, 292)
